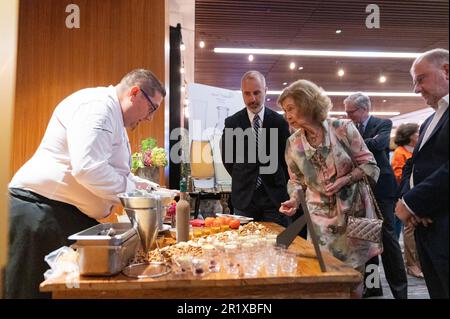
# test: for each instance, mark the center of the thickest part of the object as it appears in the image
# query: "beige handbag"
(363, 228)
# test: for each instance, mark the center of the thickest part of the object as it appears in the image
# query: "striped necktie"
(360, 128)
(256, 127)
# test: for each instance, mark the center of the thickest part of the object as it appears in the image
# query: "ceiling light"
(382, 79)
(182, 46)
(343, 93)
(201, 44)
(384, 101)
(292, 65)
(300, 68)
(341, 72)
(357, 54)
(268, 100)
(250, 57)
(338, 31)
(284, 83)
(182, 70)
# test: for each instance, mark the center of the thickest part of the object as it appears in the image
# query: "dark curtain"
(174, 99)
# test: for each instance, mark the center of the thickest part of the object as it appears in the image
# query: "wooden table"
(307, 282)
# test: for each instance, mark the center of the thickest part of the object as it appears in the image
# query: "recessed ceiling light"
(300, 68)
(357, 54)
(341, 72)
(382, 79)
(251, 57)
(201, 44)
(338, 31)
(384, 101)
(285, 83)
(292, 65)
(268, 100)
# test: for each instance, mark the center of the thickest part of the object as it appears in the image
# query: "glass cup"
(212, 256)
(182, 265)
(288, 262)
(231, 261)
(200, 266)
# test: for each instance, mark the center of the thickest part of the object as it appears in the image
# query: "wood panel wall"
(115, 36)
(9, 17)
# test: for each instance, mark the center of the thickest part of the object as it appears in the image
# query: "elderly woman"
(320, 160)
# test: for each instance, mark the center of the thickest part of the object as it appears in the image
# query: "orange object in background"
(217, 222)
(197, 232)
(209, 221)
(234, 224)
(213, 225)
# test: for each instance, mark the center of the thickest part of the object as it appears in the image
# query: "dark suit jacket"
(429, 197)
(377, 134)
(244, 174)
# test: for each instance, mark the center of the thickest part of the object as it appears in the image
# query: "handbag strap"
(365, 179)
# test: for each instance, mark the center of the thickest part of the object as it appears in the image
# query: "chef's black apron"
(37, 226)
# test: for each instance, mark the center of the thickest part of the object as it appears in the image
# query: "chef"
(74, 176)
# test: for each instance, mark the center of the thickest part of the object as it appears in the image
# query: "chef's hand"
(333, 188)
(146, 185)
(289, 207)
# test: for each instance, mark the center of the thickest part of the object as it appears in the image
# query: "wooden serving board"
(307, 282)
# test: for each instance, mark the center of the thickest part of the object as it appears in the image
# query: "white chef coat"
(84, 157)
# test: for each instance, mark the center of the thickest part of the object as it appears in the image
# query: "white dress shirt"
(84, 157)
(251, 116)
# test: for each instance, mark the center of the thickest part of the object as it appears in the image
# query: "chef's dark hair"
(145, 79)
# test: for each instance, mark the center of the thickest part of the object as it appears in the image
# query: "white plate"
(242, 219)
(164, 228)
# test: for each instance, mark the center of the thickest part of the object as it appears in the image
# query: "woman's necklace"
(315, 139)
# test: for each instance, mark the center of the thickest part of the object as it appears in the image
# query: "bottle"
(182, 214)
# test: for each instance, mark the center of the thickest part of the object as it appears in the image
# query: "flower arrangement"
(149, 156)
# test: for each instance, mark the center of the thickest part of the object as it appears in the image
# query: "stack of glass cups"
(212, 256)
(182, 265)
(231, 260)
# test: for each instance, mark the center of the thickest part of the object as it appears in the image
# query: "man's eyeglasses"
(153, 107)
(351, 112)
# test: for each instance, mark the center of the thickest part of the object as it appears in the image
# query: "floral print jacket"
(311, 169)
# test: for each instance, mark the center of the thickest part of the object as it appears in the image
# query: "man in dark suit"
(376, 134)
(253, 145)
(425, 196)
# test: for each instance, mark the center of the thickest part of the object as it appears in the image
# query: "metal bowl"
(137, 200)
(165, 196)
